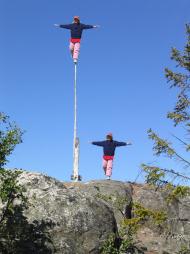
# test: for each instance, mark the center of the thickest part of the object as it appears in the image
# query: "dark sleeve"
(120, 143)
(86, 26)
(68, 26)
(99, 143)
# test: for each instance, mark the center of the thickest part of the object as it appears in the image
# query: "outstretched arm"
(122, 143)
(89, 26)
(99, 143)
(67, 26)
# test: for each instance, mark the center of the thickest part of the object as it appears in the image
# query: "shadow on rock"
(18, 236)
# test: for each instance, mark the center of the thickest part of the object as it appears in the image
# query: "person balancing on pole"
(76, 33)
(109, 146)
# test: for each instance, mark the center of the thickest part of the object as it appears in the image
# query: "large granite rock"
(109, 192)
(61, 219)
(77, 218)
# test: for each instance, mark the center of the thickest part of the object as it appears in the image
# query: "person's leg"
(109, 168)
(104, 165)
(76, 50)
(71, 47)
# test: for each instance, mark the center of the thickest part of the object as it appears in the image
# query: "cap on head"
(77, 18)
(109, 136)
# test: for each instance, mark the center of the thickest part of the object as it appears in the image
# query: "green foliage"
(127, 243)
(10, 191)
(184, 250)
(10, 136)
(177, 192)
(161, 146)
(145, 214)
(141, 216)
(17, 235)
(179, 115)
(158, 177)
(124, 241)
(154, 175)
(109, 246)
(130, 226)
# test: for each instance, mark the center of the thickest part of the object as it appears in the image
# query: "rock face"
(77, 218)
(176, 231)
(76, 221)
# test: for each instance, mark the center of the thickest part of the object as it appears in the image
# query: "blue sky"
(121, 83)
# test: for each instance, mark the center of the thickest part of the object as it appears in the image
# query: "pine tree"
(180, 115)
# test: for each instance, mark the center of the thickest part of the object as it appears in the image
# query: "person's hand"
(56, 25)
(96, 26)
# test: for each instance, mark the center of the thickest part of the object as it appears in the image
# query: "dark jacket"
(76, 29)
(109, 146)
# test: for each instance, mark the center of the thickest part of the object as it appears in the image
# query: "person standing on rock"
(76, 33)
(109, 145)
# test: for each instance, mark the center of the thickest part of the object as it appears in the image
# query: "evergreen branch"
(183, 102)
(156, 176)
(162, 146)
(183, 142)
(180, 113)
(175, 173)
(178, 117)
(3, 117)
(182, 159)
(178, 79)
(182, 60)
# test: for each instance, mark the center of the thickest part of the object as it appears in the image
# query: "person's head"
(76, 19)
(109, 136)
